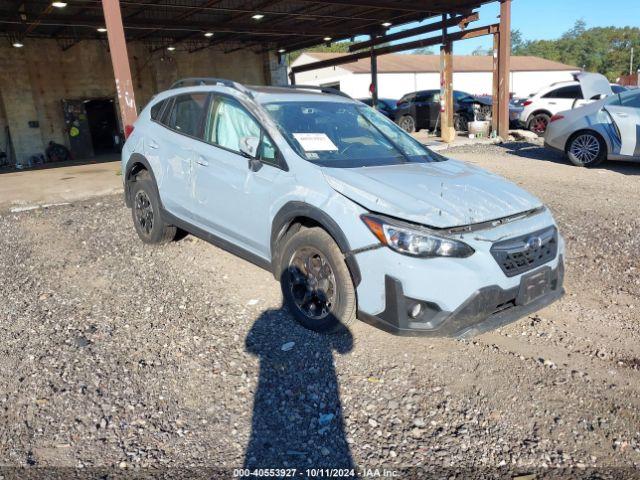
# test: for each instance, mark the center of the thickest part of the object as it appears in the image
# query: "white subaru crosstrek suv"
(558, 97)
(355, 217)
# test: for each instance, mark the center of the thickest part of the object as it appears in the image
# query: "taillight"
(527, 103)
(556, 117)
(128, 130)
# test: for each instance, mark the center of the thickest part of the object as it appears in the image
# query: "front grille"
(526, 252)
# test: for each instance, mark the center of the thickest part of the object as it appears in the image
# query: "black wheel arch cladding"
(295, 210)
(137, 162)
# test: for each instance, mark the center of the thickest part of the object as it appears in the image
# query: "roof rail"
(322, 89)
(199, 81)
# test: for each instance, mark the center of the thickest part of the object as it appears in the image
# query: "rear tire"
(586, 149)
(460, 123)
(538, 123)
(316, 284)
(145, 211)
(407, 123)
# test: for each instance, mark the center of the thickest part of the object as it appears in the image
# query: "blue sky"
(548, 19)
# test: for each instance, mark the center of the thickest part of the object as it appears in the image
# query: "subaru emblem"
(533, 243)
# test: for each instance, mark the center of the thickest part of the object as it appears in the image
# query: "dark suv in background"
(420, 110)
(386, 106)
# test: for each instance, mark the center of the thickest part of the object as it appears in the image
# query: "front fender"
(296, 209)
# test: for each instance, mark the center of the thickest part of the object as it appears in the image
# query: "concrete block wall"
(18, 103)
(36, 78)
(3, 125)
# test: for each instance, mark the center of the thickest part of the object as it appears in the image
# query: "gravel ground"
(123, 356)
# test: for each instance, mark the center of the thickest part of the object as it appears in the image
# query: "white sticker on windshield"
(315, 142)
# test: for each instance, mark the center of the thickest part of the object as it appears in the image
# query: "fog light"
(415, 310)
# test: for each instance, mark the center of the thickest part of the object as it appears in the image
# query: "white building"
(399, 74)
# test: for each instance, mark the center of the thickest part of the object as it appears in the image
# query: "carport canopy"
(280, 26)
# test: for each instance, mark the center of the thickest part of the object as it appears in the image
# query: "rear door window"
(570, 92)
(186, 114)
(424, 97)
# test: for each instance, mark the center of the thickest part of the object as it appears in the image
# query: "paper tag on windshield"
(315, 142)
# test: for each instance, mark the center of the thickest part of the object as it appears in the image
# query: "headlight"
(415, 241)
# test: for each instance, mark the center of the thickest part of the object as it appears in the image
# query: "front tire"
(586, 149)
(316, 284)
(145, 211)
(407, 123)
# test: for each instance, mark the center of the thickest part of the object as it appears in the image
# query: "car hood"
(438, 194)
(593, 85)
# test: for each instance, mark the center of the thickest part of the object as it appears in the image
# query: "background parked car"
(540, 107)
(386, 106)
(485, 111)
(420, 110)
(605, 129)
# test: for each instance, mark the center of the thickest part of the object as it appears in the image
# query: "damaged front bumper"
(488, 308)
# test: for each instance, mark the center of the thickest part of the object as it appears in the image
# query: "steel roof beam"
(427, 42)
(432, 27)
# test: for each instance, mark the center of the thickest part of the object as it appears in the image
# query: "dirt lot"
(114, 354)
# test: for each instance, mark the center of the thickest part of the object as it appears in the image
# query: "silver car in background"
(608, 129)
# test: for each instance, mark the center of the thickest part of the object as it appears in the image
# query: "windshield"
(463, 97)
(626, 98)
(334, 134)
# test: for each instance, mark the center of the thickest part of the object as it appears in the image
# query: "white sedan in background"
(586, 87)
(608, 129)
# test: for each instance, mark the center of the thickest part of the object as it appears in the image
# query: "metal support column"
(373, 88)
(292, 77)
(448, 132)
(504, 67)
(495, 83)
(120, 61)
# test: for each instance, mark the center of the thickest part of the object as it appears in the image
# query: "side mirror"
(254, 164)
(249, 146)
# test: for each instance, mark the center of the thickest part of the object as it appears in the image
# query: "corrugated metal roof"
(257, 24)
(403, 63)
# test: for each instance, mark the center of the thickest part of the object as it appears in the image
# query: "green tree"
(338, 47)
(517, 42)
(606, 50)
(481, 52)
(422, 51)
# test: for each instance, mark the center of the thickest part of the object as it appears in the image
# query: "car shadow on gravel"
(538, 152)
(297, 414)
(533, 151)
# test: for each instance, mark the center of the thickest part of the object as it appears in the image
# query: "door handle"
(623, 115)
(553, 103)
(202, 161)
(153, 144)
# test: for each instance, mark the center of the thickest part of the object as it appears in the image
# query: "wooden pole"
(120, 61)
(374, 79)
(495, 84)
(448, 132)
(504, 67)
